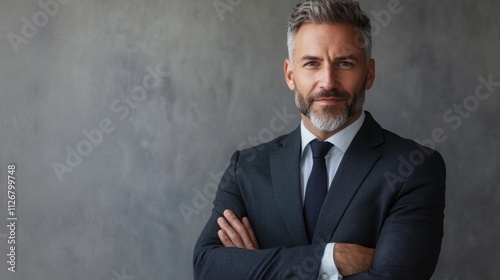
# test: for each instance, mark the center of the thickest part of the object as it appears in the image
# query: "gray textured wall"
(220, 83)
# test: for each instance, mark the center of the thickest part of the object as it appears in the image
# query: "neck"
(323, 135)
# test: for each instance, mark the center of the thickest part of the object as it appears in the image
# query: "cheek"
(304, 87)
(304, 79)
(354, 84)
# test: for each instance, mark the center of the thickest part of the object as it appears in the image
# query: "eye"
(345, 64)
(311, 64)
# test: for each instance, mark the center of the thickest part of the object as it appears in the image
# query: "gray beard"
(323, 122)
(331, 119)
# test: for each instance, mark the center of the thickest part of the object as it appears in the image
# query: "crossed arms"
(407, 246)
(349, 258)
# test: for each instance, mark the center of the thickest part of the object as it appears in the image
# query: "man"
(337, 197)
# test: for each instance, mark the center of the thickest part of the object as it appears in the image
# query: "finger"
(230, 232)
(226, 241)
(250, 231)
(239, 228)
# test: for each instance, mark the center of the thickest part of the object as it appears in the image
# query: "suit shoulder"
(264, 149)
(400, 146)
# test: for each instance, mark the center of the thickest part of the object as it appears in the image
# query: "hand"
(234, 233)
(351, 259)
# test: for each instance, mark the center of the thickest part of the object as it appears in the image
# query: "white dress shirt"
(341, 141)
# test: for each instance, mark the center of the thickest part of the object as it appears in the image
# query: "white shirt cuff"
(328, 270)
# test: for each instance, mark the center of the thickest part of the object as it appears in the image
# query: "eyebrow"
(309, 57)
(346, 57)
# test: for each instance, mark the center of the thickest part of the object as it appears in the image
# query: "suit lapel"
(355, 166)
(285, 173)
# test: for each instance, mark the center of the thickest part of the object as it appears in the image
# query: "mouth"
(327, 101)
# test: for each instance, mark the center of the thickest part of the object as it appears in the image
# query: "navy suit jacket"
(388, 194)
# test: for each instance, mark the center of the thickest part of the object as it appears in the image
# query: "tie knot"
(320, 148)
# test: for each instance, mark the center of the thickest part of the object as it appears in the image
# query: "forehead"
(313, 37)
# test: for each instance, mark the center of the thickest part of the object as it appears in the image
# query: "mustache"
(329, 93)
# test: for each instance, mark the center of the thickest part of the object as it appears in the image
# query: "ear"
(289, 74)
(370, 79)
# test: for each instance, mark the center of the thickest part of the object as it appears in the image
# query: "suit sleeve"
(212, 261)
(410, 240)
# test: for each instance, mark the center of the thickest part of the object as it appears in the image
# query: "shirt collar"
(341, 139)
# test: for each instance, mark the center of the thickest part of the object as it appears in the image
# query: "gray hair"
(330, 11)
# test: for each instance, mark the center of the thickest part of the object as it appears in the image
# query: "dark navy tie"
(317, 185)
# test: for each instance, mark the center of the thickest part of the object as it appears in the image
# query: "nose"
(327, 78)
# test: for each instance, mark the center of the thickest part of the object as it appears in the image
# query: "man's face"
(329, 75)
